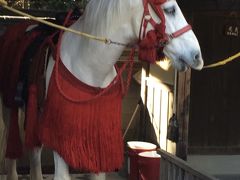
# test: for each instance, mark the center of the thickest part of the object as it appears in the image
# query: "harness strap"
(148, 19)
(180, 31)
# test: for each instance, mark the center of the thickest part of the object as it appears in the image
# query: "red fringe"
(87, 135)
(14, 145)
(31, 136)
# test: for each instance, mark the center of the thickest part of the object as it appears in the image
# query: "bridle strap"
(146, 18)
(157, 9)
(144, 21)
(180, 31)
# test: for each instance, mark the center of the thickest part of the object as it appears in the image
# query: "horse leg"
(10, 165)
(35, 164)
(61, 168)
(100, 176)
(11, 168)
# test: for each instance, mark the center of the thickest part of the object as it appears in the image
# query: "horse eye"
(170, 10)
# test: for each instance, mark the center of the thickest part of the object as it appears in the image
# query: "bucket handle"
(141, 175)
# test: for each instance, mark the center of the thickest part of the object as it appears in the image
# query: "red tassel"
(31, 134)
(148, 51)
(14, 144)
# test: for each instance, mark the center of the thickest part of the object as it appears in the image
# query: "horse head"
(164, 30)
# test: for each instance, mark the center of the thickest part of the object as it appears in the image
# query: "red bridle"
(152, 41)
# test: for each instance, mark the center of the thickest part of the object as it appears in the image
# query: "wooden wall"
(215, 98)
(203, 5)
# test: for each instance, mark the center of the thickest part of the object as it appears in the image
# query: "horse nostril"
(197, 60)
(197, 56)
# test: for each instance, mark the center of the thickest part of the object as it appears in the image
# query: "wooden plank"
(170, 174)
(164, 119)
(183, 103)
(166, 169)
(144, 89)
(163, 169)
(174, 172)
(156, 114)
(188, 176)
(180, 174)
(171, 146)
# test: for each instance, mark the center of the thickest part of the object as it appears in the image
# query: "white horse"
(92, 62)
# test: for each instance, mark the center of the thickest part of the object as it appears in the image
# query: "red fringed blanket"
(86, 134)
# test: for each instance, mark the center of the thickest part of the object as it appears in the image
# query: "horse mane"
(100, 15)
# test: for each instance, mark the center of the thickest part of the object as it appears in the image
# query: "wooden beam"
(172, 166)
(183, 103)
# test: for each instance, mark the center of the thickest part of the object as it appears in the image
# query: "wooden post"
(144, 91)
(183, 103)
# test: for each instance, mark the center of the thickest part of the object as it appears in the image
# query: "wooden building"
(213, 93)
(207, 101)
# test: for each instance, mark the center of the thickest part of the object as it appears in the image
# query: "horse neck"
(91, 61)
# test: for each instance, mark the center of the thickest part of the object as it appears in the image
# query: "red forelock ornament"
(150, 49)
(147, 47)
(152, 44)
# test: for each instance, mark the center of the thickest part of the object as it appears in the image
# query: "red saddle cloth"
(15, 43)
(87, 134)
(9, 44)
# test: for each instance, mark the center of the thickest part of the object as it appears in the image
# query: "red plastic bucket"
(149, 165)
(134, 148)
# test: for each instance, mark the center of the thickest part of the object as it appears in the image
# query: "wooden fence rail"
(174, 168)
